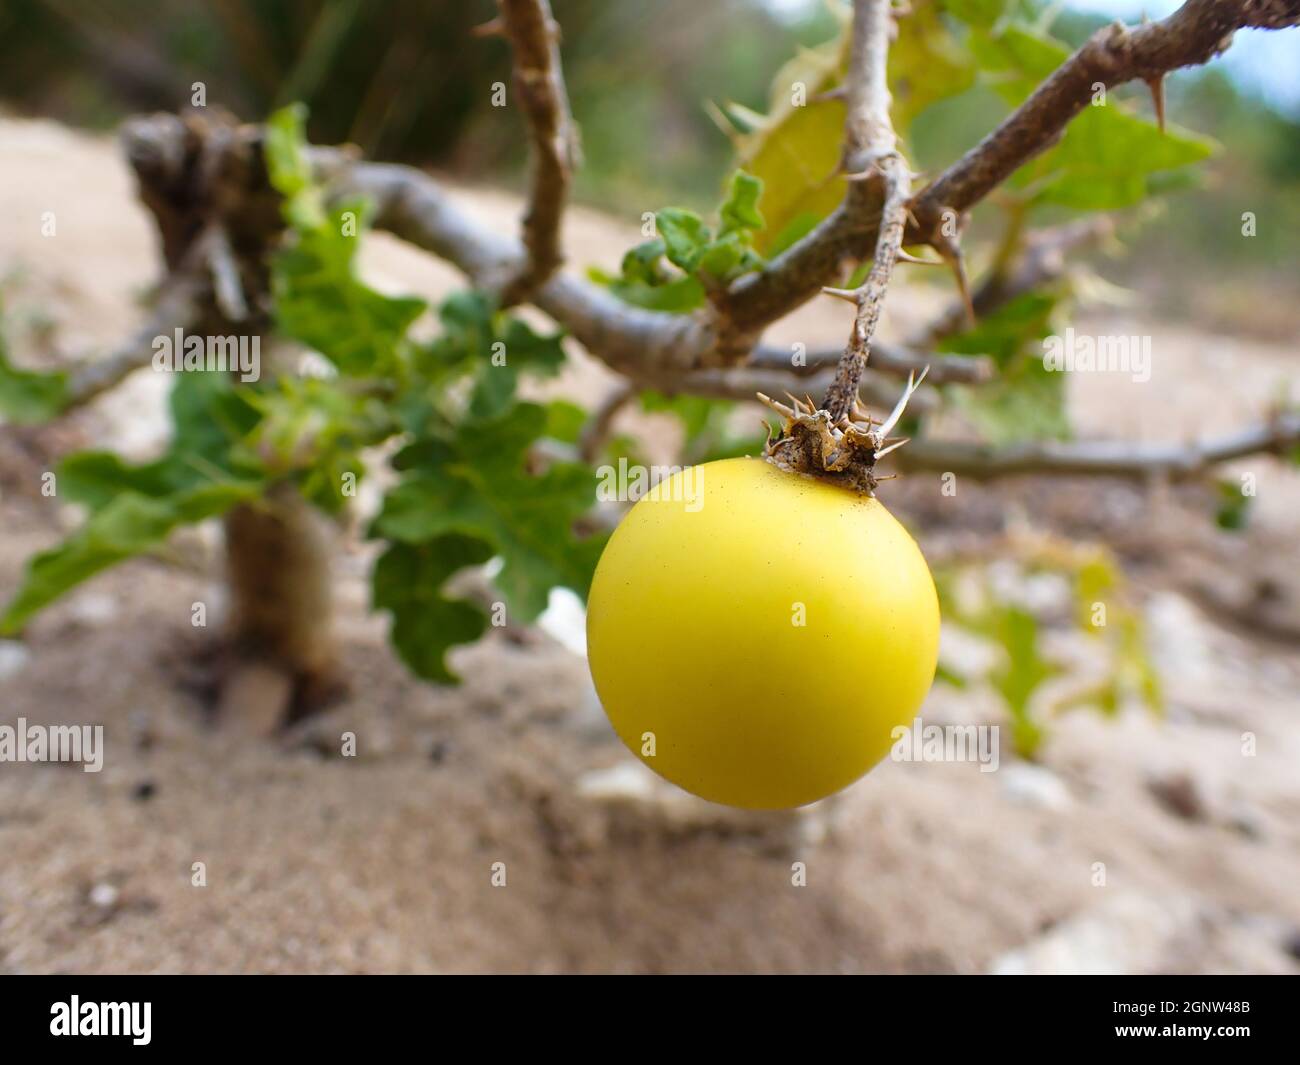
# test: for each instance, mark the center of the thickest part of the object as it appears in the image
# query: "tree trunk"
(278, 555)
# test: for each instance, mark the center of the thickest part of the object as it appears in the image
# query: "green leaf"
(678, 295)
(926, 64)
(408, 581)
(684, 235)
(289, 169)
(1107, 158)
(474, 481)
(564, 421)
(320, 302)
(982, 13)
(1021, 673)
(133, 508)
(29, 397)
(739, 213)
(794, 150)
(1234, 506)
(1026, 400)
(125, 526)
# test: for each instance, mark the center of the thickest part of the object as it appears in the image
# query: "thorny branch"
(944, 369)
(539, 82)
(1194, 34)
(679, 353)
(870, 154)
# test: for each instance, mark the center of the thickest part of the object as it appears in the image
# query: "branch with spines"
(534, 37)
(1191, 36)
(656, 349)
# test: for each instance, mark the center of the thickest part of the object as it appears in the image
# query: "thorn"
(780, 408)
(952, 255)
(913, 383)
(880, 452)
(887, 477)
(1157, 87)
(907, 257)
(848, 294)
(493, 28)
(840, 92)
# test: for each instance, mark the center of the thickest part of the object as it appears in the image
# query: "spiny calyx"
(843, 452)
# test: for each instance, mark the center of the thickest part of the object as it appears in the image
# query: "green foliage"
(474, 484)
(470, 486)
(474, 479)
(319, 300)
(703, 259)
(1025, 400)
(1234, 506)
(408, 583)
(29, 397)
(1107, 158)
(134, 508)
(1101, 612)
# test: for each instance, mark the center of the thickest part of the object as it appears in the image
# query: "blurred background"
(1114, 836)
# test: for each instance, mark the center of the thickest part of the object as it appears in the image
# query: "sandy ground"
(385, 861)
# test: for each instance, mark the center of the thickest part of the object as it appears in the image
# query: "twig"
(870, 149)
(1194, 34)
(539, 82)
(744, 382)
(177, 308)
(596, 431)
(1197, 32)
(1100, 458)
(886, 358)
(1042, 260)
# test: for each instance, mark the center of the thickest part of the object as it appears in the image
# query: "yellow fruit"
(755, 636)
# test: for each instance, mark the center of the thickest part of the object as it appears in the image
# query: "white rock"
(1035, 785)
(104, 896)
(93, 608)
(1123, 935)
(565, 621)
(13, 656)
(628, 781)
